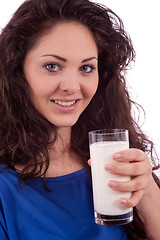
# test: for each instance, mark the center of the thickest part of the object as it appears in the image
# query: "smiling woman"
(62, 79)
(62, 65)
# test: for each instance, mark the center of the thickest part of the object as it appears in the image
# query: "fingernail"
(112, 184)
(117, 155)
(109, 167)
(123, 201)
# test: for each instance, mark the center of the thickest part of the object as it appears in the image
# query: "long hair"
(25, 134)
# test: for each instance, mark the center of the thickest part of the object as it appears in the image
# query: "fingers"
(134, 200)
(135, 184)
(129, 169)
(135, 163)
(131, 154)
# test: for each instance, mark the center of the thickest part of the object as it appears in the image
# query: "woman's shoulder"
(4, 170)
(8, 178)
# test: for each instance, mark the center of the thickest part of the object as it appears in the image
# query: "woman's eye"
(87, 68)
(52, 67)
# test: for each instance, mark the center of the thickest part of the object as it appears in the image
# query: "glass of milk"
(107, 208)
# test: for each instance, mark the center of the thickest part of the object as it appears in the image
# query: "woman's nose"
(70, 82)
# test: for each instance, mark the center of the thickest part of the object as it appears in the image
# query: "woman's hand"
(145, 192)
(135, 164)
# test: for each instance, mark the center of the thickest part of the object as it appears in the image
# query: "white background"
(142, 21)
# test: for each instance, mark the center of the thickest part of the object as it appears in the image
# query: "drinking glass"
(107, 208)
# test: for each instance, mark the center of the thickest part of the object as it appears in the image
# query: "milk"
(106, 200)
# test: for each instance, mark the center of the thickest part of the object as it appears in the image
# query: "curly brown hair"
(25, 134)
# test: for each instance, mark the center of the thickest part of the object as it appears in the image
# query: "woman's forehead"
(67, 39)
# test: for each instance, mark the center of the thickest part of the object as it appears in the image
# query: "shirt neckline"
(58, 178)
(65, 177)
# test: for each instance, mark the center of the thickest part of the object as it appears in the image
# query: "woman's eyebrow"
(65, 60)
(89, 59)
(55, 56)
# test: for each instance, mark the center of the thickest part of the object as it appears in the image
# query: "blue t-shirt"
(66, 212)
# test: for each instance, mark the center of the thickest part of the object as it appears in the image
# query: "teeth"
(64, 104)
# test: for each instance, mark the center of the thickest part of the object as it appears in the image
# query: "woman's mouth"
(64, 103)
(65, 106)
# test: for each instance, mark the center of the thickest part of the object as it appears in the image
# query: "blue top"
(66, 212)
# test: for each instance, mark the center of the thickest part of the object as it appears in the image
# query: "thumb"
(89, 162)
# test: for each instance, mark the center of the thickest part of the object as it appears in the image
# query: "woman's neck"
(62, 143)
(63, 160)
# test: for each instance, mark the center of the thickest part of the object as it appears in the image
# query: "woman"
(62, 66)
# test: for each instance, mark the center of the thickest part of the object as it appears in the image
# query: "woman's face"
(62, 73)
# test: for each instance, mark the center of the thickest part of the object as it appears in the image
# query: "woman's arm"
(149, 208)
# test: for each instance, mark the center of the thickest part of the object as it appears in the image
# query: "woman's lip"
(66, 109)
(65, 100)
